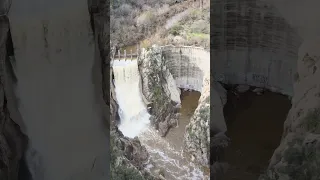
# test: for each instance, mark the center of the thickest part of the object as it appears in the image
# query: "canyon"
(266, 44)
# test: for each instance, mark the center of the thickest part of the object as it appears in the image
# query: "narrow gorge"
(147, 90)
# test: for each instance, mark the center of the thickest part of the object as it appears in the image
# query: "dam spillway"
(132, 110)
(162, 150)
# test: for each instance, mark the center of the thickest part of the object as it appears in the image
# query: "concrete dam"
(256, 47)
(188, 67)
(187, 64)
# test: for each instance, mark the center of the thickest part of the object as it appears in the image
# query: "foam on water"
(132, 110)
(173, 161)
(135, 122)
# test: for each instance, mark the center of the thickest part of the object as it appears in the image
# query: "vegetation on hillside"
(144, 22)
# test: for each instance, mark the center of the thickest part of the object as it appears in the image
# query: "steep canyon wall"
(12, 141)
(164, 70)
(190, 68)
(302, 126)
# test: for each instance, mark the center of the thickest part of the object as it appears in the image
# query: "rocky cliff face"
(218, 140)
(130, 155)
(163, 70)
(298, 156)
(12, 141)
(127, 156)
(197, 135)
(158, 88)
(189, 67)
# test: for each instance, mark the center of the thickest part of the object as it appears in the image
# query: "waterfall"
(54, 52)
(135, 122)
(132, 110)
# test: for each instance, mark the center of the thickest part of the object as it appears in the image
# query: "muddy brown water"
(166, 153)
(189, 102)
(255, 126)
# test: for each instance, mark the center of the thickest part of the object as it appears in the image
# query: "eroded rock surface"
(218, 140)
(158, 89)
(298, 156)
(164, 70)
(12, 141)
(197, 135)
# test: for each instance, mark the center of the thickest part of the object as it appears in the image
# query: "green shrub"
(200, 26)
(176, 30)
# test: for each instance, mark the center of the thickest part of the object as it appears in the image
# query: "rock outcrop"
(197, 135)
(158, 88)
(164, 70)
(189, 67)
(128, 157)
(298, 156)
(12, 140)
(218, 140)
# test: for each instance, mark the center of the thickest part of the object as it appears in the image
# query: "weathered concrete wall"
(187, 65)
(190, 68)
(253, 44)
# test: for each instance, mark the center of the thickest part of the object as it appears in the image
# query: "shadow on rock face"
(250, 118)
(24, 173)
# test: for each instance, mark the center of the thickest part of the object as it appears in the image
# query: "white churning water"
(132, 110)
(135, 122)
